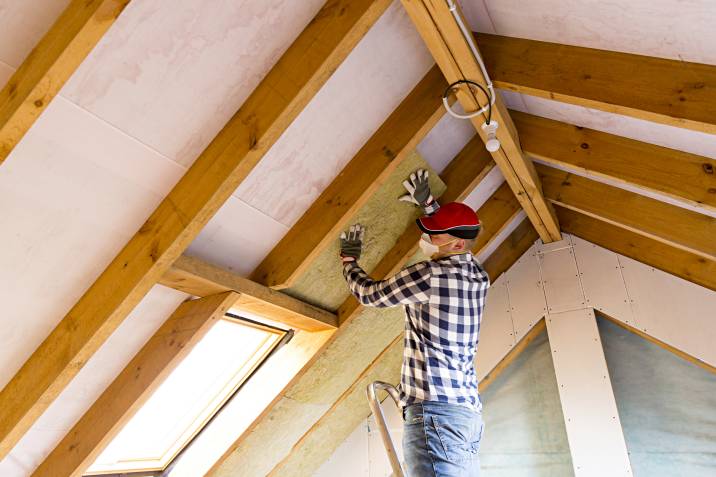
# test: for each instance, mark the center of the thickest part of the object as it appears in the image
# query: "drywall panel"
(671, 309)
(385, 219)
(602, 281)
(91, 381)
(445, 140)
(342, 116)
(23, 24)
(670, 29)
(665, 403)
(72, 193)
(524, 428)
(560, 277)
(172, 72)
(525, 291)
(590, 413)
(496, 332)
(238, 237)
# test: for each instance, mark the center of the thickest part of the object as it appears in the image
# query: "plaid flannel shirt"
(443, 302)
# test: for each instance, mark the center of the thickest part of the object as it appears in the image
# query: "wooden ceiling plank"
(679, 175)
(672, 225)
(197, 277)
(443, 37)
(50, 64)
(672, 92)
(134, 385)
(396, 138)
(209, 182)
(683, 264)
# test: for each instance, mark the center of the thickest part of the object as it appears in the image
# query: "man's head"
(449, 231)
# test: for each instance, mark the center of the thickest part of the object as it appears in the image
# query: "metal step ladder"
(377, 410)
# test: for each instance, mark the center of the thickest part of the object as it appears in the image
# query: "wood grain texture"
(351, 189)
(197, 277)
(672, 92)
(134, 385)
(686, 265)
(686, 177)
(50, 64)
(441, 34)
(511, 249)
(213, 177)
(672, 225)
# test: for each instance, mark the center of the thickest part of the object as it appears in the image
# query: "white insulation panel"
(590, 412)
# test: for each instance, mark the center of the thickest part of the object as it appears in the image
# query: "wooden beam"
(672, 225)
(511, 355)
(453, 55)
(466, 170)
(350, 190)
(196, 277)
(681, 354)
(210, 181)
(673, 92)
(511, 249)
(686, 265)
(686, 177)
(134, 385)
(50, 64)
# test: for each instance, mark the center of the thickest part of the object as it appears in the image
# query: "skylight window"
(189, 397)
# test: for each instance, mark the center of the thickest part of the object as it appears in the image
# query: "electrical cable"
(451, 112)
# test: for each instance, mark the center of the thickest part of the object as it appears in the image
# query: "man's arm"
(419, 192)
(411, 285)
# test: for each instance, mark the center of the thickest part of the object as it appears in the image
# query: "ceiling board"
(171, 73)
(22, 24)
(342, 116)
(444, 141)
(71, 194)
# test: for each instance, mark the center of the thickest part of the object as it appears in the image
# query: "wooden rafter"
(686, 265)
(686, 177)
(210, 181)
(673, 92)
(50, 64)
(197, 277)
(672, 225)
(496, 214)
(349, 191)
(134, 385)
(461, 176)
(443, 37)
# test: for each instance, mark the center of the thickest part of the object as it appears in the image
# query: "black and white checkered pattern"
(443, 301)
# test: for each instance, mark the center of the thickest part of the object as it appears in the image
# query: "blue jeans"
(441, 440)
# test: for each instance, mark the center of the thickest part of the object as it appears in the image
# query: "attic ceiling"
(161, 84)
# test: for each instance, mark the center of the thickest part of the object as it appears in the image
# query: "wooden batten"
(672, 92)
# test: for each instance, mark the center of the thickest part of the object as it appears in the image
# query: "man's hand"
(352, 243)
(418, 189)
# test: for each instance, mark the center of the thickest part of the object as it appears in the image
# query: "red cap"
(456, 219)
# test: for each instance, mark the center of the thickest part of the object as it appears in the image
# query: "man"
(443, 298)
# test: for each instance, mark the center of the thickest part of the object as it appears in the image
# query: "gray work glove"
(418, 189)
(352, 242)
